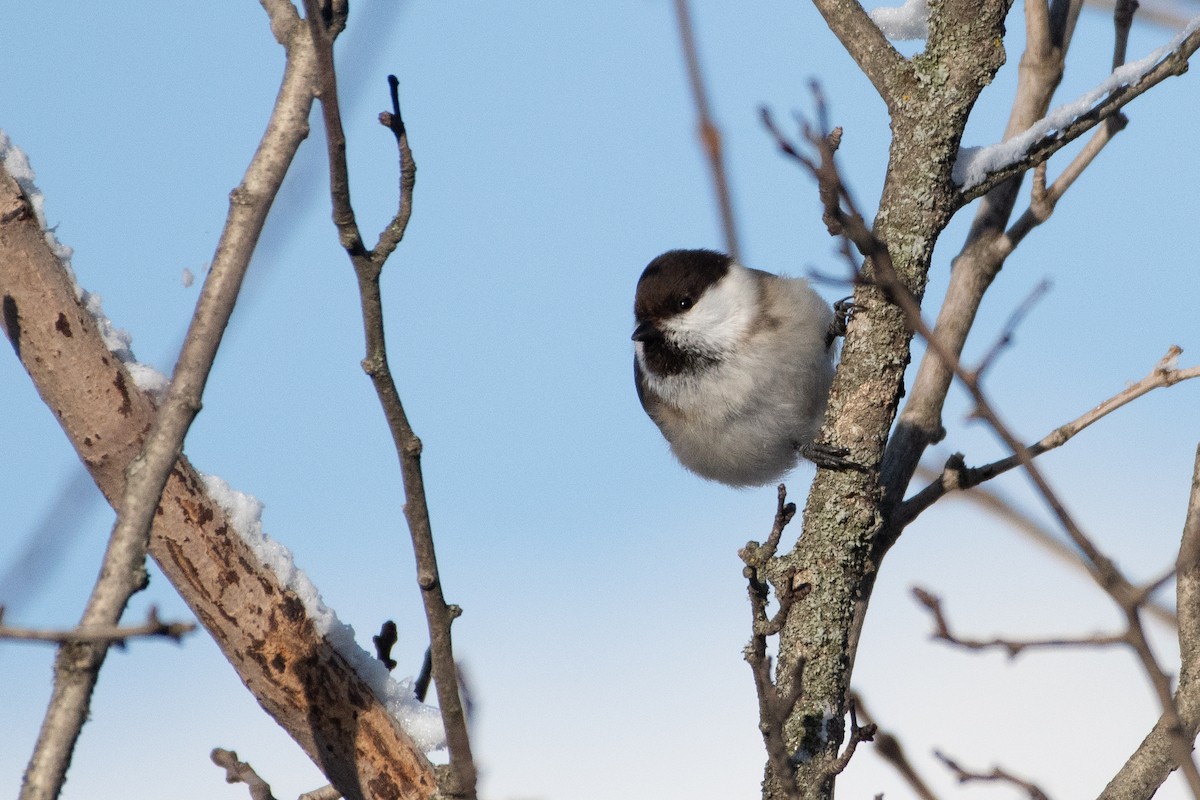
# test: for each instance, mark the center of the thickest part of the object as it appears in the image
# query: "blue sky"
(605, 610)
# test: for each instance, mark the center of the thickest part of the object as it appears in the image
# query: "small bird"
(734, 366)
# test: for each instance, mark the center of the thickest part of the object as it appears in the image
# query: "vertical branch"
(710, 136)
(123, 571)
(368, 265)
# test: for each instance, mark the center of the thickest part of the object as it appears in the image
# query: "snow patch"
(906, 23)
(420, 721)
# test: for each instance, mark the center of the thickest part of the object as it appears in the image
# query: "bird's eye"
(684, 303)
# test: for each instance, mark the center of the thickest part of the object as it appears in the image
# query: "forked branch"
(368, 265)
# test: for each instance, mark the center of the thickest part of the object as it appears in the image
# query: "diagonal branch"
(1046, 198)
(110, 634)
(710, 135)
(311, 684)
(1065, 124)
(957, 476)
(1156, 757)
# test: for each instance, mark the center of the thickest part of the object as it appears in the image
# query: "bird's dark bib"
(664, 358)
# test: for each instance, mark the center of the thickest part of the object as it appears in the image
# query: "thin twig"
(1004, 340)
(710, 134)
(111, 634)
(323, 793)
(957, 476)
(1040, 535)
(1013, 647)
(368, 265)
(421, 684)
(1123, 11)
(888, 747)
(240, 772)
(858, 734)
(996, 775)
(1044, 201)
(774, 706)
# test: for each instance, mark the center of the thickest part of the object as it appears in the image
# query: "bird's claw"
(843, 310)
(829, 456)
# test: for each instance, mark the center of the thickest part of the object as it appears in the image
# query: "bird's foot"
(828, 456)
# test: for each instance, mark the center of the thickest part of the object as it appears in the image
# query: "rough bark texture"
(832, 568)
(261, 627)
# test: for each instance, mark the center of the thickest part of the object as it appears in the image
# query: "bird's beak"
(644, 331)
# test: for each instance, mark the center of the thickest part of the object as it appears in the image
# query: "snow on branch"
(116, 339)
(906, 23)
(977, 165)
(420, 721)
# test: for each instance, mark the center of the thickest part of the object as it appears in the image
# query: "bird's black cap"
(673, 282)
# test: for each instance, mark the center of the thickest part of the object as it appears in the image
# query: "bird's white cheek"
(721, 318)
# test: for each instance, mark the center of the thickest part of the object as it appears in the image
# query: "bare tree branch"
(1046, 198)
(1034, 531)
(774, 706)
(368, 265)
(929, 98)
(957, 476)
(1013, 647)
(997, 775)
(1049, 28)
(303, 680)
(710, 134)
(111, 634)
(844, 220)
(123, 571)
(1173, 63)
(888, 71)
(240, 772)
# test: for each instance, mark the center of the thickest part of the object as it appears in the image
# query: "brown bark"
(261, 626)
